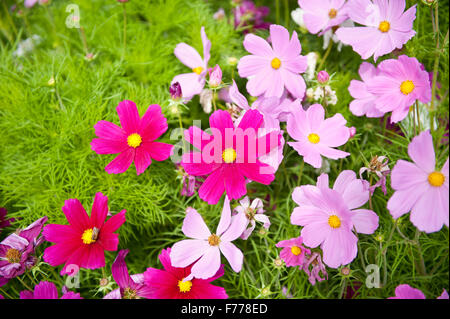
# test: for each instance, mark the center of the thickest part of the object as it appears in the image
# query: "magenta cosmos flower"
(364, 100)
(316, 136)
(293, 252)
(321, 15)
(84, 240)
(48, 290)
(329, 216)
(17, 251)
(420, 188)
(254, 212)
(135, 141)
(204, 248)
(192, 83)
(398, 85)
(385, 26)
(170, 284)
(230, 155)
(130, 287)
(271, 69)
(407, 292)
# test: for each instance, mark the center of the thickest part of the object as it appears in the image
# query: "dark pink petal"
(76, 215)
(60, 253)
(26, 294)
(204, 290)
(104, 146)
(234, 182)
(121, 163)
(119, 270)
(153, 124)
(222, 122)
(194, 165)
(128, 116)
(45, 290)
(142, 159)
(60, 233)
(109, 131)
(252, 119)
(99, 210)
(114, 223)
(258, 172)
(33, 230)
(159, 151)
(213, 187)
(197, 137)
(109, 241)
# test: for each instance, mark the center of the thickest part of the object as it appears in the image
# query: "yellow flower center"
(314, 138)
(333, 13)
(295, 250)
(134, 140)
(214, 240)
(88, 237)
(185, 286)
(198, 70)
(436, 179)
(407, 87)
(229, 155)
(334, 221)
(129, 293)
(384, 26)
(13, 256)
(276, 63)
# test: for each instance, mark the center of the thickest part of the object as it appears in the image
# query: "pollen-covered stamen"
(134, 140)
(407, 87)
(129, 293)
(198, 70)
(436, 179)
(276, 63)
(229, 155)
(314, 138)
(384, 26)
(295, 250)
(88, 236)
(332, 13)
(13, 256)
(250, 213)
(185, 286)
(214, 240)
(334, 221)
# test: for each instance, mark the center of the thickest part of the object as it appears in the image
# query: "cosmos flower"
(205, 248)
(444, 295)
(398, 85)
(329, 216)
(230, 155)
(293, 252)
(254, 212)
(16, 250)
(314, 261)
(193, 83)
(272, 69)
(4, 222)
(364, 100)
(169, 283)
(420, 188)
(407, 292)
(130, 287)
(322, 15)
(48, 290)
(379, 166)
(316, 136)
(385, 26)
(247, 16)
(135, 141)
(84, 240)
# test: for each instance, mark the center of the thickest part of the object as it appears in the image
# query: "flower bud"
(352, 131)
(175, 91)
(215, 76)
(323, 77)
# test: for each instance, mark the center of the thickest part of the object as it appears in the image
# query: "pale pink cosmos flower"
(364, 100)
(316, 136)
(193, 83)
(314, 261)
(204, 249)
(330, 216)
(379, 166)
(420, 188)
(398, 85)
(385, 26)
(272, 69)
(293, 252)
(322, 15)
(254, 212)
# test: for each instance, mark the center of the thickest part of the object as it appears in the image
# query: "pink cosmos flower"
(17, 251)
(254, 212)
(130, 287)
(135, 141)
(444, 295)
(364, 100)
(230, 155)
(271, 69)
(322, 15)
(317, 267)
(293, 252)
(398, 85)
(204, 248)
(48, 290)
(379, 166)
(4, 222)
(170, 284)
(84, 240)
(329, 216)
(407, 292)
(317, 136)
(193, 83)
(420, 188)
(385, 26)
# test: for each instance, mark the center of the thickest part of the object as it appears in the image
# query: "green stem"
(4, 293)
(286, 13)
(24, 284)
(277, 8)
(214, 99)
(418, 116)
(423, 270)
(302, 165)
(83, 40)
(33, 281)
(385, 274)
(327, 53)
